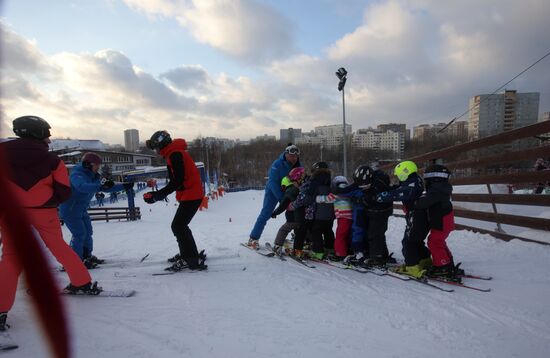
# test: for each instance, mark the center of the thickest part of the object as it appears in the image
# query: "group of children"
(362, 208)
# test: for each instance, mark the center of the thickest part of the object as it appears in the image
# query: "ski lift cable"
(494, 92)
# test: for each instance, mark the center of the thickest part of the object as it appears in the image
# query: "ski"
(270, 248)
(459, 284)
(476, 277)
(342, 266)
(302, 261)
(105, 293)
(6, 342)
(259, 251)
(423, 281)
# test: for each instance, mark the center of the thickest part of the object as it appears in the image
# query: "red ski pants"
(441, 255)
(343, 237)
(46, 223)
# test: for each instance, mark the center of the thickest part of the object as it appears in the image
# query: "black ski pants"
(376, 234)
(322, 236)
(416, 231)
(300, 234)
(184, 236)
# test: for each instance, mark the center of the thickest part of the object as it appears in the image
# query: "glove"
(381, 197)
(273, 215)
(331, 198)
(128, 186)
(149, 197)
(106, 184)
(290, 207)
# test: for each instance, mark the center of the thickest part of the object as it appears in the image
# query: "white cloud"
(244, 29)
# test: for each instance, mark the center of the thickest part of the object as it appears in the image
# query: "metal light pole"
(342, 76)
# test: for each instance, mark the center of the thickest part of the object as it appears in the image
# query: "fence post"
(499, 227)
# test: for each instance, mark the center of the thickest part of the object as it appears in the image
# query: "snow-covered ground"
(250, 306)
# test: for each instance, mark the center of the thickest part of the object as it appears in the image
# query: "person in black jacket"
(436, 202)
(377, 216)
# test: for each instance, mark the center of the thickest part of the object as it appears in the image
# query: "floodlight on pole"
(342, 76)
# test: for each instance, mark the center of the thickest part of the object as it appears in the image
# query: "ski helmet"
(404, 169)
(318, 165)
(31, 127)
(339, 181)
(362, 175)
(89, 159)
(159, 140)
(286, 182)
(292, 149)
(297, 174)
(436, 173)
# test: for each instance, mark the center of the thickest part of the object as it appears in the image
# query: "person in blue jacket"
(85, 182)
(280, 168)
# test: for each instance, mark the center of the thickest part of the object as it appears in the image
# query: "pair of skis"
(268, 252)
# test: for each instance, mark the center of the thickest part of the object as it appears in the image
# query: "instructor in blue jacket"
(289, 159)
(85, 182)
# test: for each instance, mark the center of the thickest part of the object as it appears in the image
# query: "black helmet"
(362, 175)
(159, 140)
(31, 127)
(436, 173)
(319, 165)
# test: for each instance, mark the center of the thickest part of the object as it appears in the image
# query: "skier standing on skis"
(417, 255)
(436, 203)
(280, 168)
(291, 185)
(40, 181)
(85, 181)
(185, 180)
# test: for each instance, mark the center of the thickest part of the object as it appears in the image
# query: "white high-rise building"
(131, 140)
(380, 140)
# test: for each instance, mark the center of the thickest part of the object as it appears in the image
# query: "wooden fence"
(497, 159)
(114, 213)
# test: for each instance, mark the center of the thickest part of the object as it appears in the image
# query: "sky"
(244, 68)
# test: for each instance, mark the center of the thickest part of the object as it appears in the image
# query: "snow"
(247, 305)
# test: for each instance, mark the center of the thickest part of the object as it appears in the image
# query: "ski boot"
(317, 255)
(177, 266)
(3, 325)
(375, 262)
(426, 263)
(90, 265)
(253, 244)
(445, 272)
(298, 253)
(90, 288)
(355, 259)
(95, 260)
(335, 258)
(176, 257)
(415, 271)
(458, 270)
(278, 249)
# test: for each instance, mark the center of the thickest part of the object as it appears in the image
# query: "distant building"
(290, 135)
(131, 140)
(118, 162)
(334, 130)
(264, 137)
(457, 131)
(493, 114)
(378, 139)
(83, 144)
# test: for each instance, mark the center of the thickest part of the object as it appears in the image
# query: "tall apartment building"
(290, 135)
(377, 139)
(131, 140)
(458, 131)
(493, 114)
(334, 130)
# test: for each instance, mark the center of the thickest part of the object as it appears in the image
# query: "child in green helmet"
(411, 186)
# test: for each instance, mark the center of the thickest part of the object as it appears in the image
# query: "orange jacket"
(185, 178)
(37, 177)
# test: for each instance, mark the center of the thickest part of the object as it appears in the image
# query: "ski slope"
(247, 305)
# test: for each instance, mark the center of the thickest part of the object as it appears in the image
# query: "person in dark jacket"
(320, 215)
(291, 185)
(280, 168)
(417, 255)
(85, 181)
(185, 180)
(376, 182)
(39, 180)
(436, 202)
